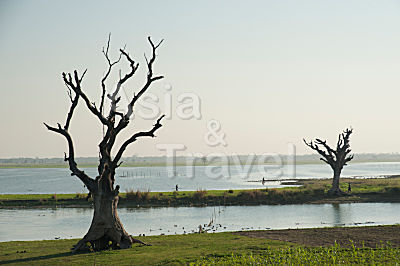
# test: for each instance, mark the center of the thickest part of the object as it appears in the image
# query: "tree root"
(105, 243)
(337, 192)
(134, 240)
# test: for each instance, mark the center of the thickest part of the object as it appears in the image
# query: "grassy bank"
(200, 249)
(310, 191)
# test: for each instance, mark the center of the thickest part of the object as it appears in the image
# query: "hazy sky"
(271, 72)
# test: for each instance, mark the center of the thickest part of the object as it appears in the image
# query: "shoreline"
(179, 164)
(308, 191)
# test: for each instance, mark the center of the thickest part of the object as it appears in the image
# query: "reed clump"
(392, 190)
(200, 194)
(252, 194)
(54, 197)
(80, 195)
(137, 195)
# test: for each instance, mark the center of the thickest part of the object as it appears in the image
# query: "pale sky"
(271, 72)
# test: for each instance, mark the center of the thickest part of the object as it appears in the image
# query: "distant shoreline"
(160, 164)
(309, 191)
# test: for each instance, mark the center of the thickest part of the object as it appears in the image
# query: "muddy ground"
(371, 236)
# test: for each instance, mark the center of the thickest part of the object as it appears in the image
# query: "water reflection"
(34, 224)
(337, 214)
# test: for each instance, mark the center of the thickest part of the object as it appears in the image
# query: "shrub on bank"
(252, 194)
(200, 194)
(138, 195)
(392, 190)
(80, 196)
(54, 197)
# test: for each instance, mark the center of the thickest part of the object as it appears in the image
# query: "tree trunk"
(106, 230)
(335, 189)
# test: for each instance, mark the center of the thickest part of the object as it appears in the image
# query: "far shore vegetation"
(308, 191)
(161, 161)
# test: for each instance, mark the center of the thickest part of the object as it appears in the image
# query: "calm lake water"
(35, 224)
(59, 180)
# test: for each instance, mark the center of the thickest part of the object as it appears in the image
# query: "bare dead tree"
(106, 230)
(337, 159)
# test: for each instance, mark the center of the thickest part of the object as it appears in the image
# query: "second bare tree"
(336, 159)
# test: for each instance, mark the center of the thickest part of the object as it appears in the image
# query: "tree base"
(106, 231)
(337, 192)
(97, 240)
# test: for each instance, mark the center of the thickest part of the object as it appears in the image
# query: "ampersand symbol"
(212, 138)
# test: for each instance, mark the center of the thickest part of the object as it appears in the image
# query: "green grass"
(7, 197)
(195, 249)
(309, 256)
(165, 250)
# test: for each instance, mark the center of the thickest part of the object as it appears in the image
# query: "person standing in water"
(176, 187)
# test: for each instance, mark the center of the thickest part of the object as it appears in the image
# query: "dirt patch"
(371, 236)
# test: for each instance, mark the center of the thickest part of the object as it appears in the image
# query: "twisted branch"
(110, 65)
(134, 137)
(73, 83)
(335, 158)
(89, 182)
(69, 81)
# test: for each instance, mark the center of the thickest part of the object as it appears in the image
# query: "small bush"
(258, 194)
(319, 192)
(155, 197)
(286, 195)
(80, 196)
(276, 195)
(200, 194)
(54, 197)
(138, 195)
(247, 194)
(272, 192)
(392, 190)
(145, 196)
(251, 194)
(130, 194)
(230, 191)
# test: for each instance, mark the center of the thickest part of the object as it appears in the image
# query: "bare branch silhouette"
(106, 226)
(335, 158)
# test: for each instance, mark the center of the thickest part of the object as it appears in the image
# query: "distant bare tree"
(335, 158)
(106, 230)
(204, 160)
